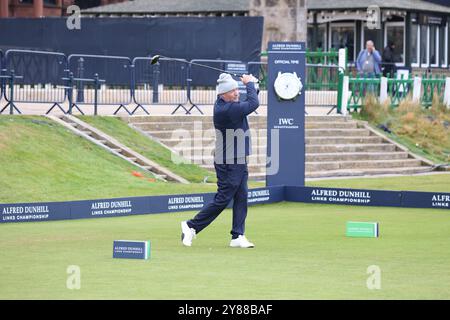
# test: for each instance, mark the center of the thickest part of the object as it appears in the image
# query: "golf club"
(156, 58)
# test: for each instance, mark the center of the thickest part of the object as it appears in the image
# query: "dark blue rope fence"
(71, 82)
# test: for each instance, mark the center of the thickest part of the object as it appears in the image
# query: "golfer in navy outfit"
(233, 146)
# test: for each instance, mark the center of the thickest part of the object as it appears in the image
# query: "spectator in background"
(368, 61)
(389, 60)
(368, 65)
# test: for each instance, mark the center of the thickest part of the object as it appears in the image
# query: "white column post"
(417, 89)
(447, 92)
(383, 89)
(342, 59)
(345, 92)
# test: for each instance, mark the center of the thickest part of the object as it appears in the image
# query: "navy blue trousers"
(231, 185)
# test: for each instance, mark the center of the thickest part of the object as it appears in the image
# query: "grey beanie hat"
(226, 83)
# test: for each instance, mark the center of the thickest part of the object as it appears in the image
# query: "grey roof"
(416, 5)
(172, 6)
(186, 6)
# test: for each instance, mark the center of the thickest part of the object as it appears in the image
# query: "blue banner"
(30, 212)
(438, 200)
(109, 207)
(47, 211)
(100, 208)
(344, 196)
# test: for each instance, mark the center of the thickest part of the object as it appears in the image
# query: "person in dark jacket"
(233, 146)
(389, 60)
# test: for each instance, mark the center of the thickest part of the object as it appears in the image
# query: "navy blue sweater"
(233, 139)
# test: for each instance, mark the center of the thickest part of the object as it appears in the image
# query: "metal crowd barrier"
(101, 80)
(34, 77)
(168, 77)
(50, 77)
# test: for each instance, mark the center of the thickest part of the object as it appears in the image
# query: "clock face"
(287, 85)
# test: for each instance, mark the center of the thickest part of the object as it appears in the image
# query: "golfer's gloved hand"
(246, 78)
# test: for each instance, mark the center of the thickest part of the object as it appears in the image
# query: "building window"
(414, 41)
(434, 45)
(321, 36)
(424, 48)
(443, 45)
(52, 2)
(395, 33)
(369, 34)
(343, 36)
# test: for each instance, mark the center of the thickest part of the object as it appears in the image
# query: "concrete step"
(331, 125)
(255, 133)
(312, 151)
(204, 142)
(337, 133)
(209, 159)
(260, 159)
(251, 167)
(335, 145)
(207, 149)
(208, 118)
(354, 164)
(205, 134)
(206, 125)
(185, 118)
(355, 135)
(331, 118)
(342, 140)
(188, 125)
(366, 172)
(346, 156)
(366, 147)
(257, 176)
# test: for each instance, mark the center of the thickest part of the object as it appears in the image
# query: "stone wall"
(284, 20)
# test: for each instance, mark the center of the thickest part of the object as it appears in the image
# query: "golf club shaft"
(202, 65)
(213, 68)
(217, 69)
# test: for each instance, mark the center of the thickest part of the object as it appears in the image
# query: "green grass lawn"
(301, 253)
(42, 161)
(133, 139)
(429, 183)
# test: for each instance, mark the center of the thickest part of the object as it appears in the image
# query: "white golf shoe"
(241, 242)
(187, 234)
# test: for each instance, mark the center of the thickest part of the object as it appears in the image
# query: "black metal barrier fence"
(69, 82)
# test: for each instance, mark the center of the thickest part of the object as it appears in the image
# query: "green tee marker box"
(131, 249)
(362, 229)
